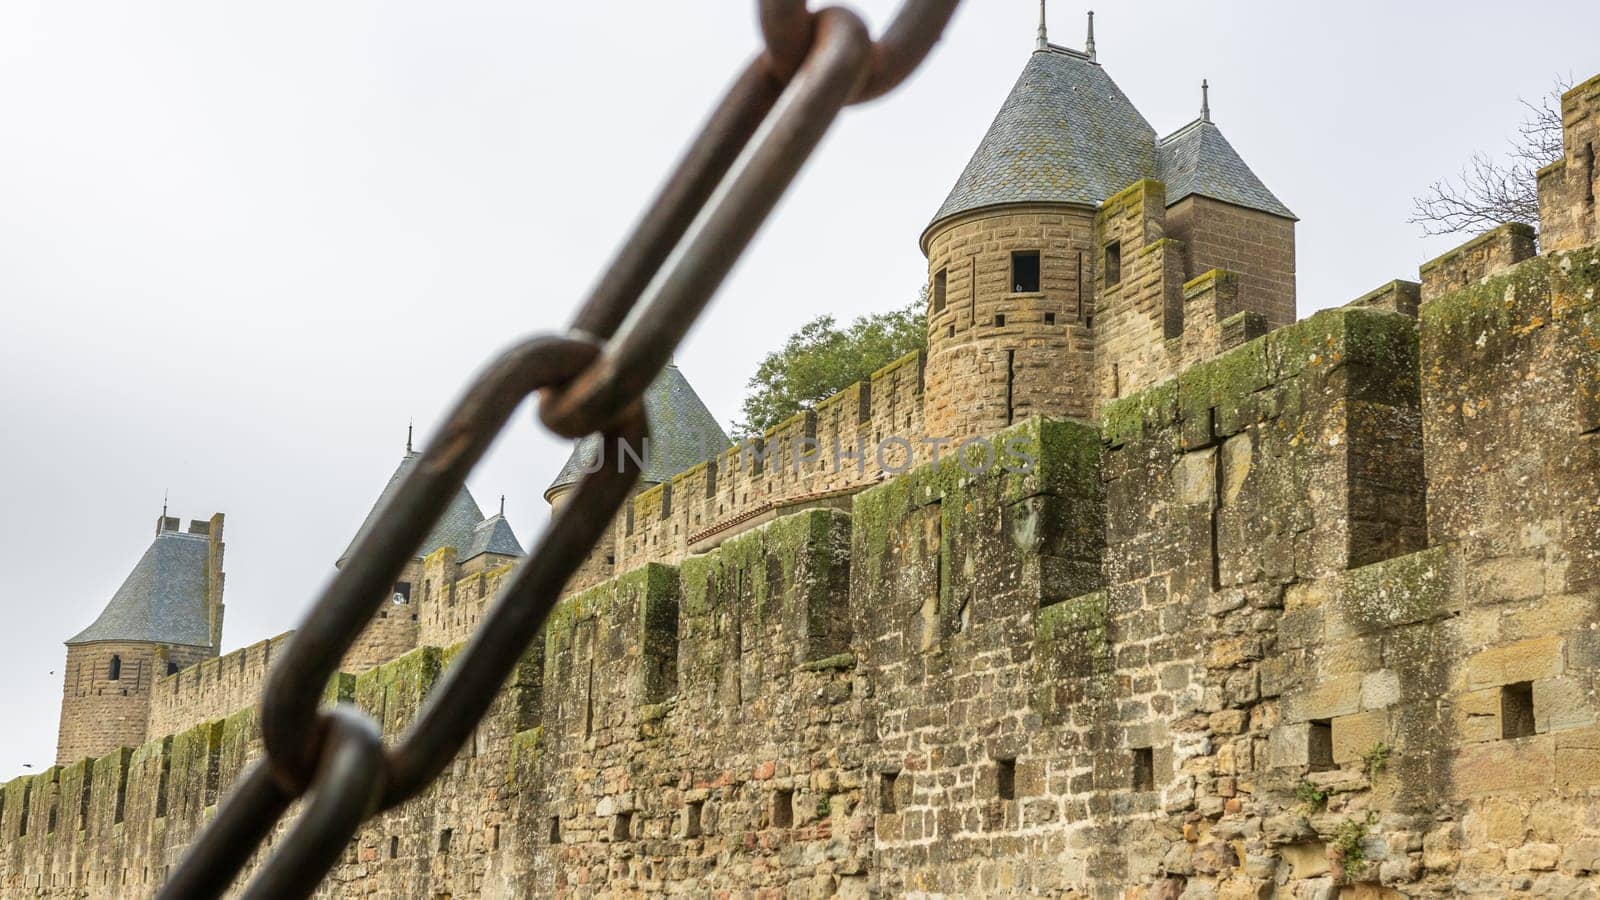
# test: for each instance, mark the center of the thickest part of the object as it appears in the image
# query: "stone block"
(1359, 733)
(1475, 715)
(1562, 703)
(1522, 766)
(1340, 696)
(1528, 660)
(1380, 689)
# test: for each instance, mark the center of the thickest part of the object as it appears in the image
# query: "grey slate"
(492, 535)
(1067, 134)
(163, 600)
(454, 528)
(1197, 159)
(683, 434)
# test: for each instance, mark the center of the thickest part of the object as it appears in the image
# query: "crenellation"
(1242, 606)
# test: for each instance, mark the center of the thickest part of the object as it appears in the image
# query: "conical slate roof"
(1066, 134)
(1197, 159)
(163, 599)
(683, 434)
(492, 535)
(454, 529)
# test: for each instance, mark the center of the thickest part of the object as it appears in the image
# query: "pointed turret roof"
(163, 600)
(492, 535)
(1066, 134)
(454, 529)
(683, 434)
(1197, 159)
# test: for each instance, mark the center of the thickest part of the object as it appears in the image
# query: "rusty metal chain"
(590, 379)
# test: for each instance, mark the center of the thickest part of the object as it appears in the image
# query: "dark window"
(115, 670)
(1005, 779)
(622, 826)
(1025, 272)
(555, 829)
(783, 809)
(1319, 744)
(951, 332)
(887, 801)
(691, 818)
(1049, 318)
(172, 667)
(1144, 769)
(1113, 263)
(939, 282)
(1000, 320)
(394, 847)
(1516, 710)
(494, 837)
(444, 839)
(402, 592)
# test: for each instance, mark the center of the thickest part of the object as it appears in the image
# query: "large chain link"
(591, 379)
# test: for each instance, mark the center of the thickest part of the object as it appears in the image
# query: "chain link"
(592, 379)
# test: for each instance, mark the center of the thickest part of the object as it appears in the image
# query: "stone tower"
(167, 615)
(463, 542)
(1058, 264)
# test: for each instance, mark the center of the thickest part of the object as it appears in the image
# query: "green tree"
(821, 360)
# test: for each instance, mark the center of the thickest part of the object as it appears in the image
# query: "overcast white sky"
(241, 244)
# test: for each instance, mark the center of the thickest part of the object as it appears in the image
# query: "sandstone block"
(1357, 734)
(1528, 660)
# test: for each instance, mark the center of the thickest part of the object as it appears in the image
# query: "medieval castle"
(1281, 608)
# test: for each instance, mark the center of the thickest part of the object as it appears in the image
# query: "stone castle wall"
(1311, 616)
(1288, 621)
(211, 689)
(101, 711)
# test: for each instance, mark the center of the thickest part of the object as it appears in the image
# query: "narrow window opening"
(1049, 318)
(1000, 320)
(1011, 386)
(1025, 272)
(50, 820)
(172, 667)
(622, 826)
(1005, 779)
(494, 837)
(1516, 710)
(1144, 769)
(1085, 286)
(555, 830)
(939, 286)
(1588, 165)
(887, 801)
(1113, 263)
(691, 818)
(1319, 744)
(114, 671)
(611, 559)
(394, 847)
(950, 331)
(445, 837)
(783, 809)
(22, 819)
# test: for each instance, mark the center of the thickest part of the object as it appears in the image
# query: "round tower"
(166, 616)
(1012, 252)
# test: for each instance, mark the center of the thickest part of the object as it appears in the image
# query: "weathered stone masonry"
(1312, 616)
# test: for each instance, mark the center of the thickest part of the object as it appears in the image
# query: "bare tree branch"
(1491, 191)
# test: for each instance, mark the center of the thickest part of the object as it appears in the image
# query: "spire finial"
(502, 506)
(1088, 44)
(164, 493)
(1205, 100)
(410, 423)
(1043, 43)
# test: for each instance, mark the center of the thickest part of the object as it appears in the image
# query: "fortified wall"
(1310, 614)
